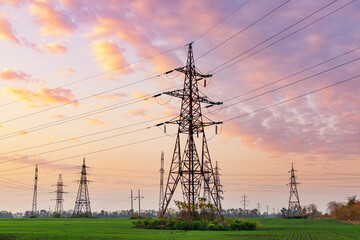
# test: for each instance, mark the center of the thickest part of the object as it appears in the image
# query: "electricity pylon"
(162, 171)
(191, 169)
(59, 196)
(217, 182)
(34, 204)
(82, 203)
(294, 202)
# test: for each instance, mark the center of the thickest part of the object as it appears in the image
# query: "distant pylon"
(294, 202)
(218, 183)
(59, 196)
(162, 171)
(244, 201)
(82, 203)
(34, 204)
(189, 166)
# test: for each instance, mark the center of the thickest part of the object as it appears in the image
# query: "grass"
(296, 229)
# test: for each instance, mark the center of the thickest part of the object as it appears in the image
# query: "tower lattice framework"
(162, 171)
(189, 167)
(294, 201)
(217, 182)
(34, 203)
(59, 195)
(82, 203)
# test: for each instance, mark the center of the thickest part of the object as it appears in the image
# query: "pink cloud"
(109, 56)
(44, 97)
(94, 121)
(54, 48)
(67, 72)
(115, 96)
(11, 75)
(6, 30)
(15, 3)
(53, 20)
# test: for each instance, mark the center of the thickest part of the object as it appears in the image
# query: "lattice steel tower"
(191, 169)
(34, 204)
(59, 196)
(294, 202)
(162, 171)
(82, 203)
(217, 182)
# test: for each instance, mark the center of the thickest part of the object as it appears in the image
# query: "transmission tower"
(190, 168)
(217, 182)
(34, 204)
(59, 196)
(162, 171)
(294, 202)
(244, 201)
(82, 203)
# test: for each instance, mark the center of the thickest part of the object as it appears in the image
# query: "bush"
(170, 223)
(211, 227)
(198, 225)
(219, 227)
(235, 224)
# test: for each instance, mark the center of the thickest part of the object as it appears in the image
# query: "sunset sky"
(74, 76)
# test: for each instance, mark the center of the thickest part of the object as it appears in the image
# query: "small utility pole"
(267, 209)
(139, 197)
(132, 203)
(258, 207)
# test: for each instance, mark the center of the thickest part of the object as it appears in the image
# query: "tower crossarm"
(202, 99)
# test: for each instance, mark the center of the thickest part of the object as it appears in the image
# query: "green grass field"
(121, 229)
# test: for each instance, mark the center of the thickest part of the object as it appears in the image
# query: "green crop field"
(121, 229)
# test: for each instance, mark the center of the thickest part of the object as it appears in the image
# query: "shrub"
(184, 226)
(170, 223)
(219, 227)
(235, 224)
(211, 227)
(198, 225)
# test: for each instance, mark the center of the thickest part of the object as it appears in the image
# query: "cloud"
(67, 72)
(58, 116)
(6, 30)
(8, 74)
(43, 97)
(54, 48)
(42, 162)
(109, 56)
(14, 3)
(94, 121)
(53, 20)
(138, 112)
(115, 96)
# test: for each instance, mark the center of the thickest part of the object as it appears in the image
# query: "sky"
(76, 80)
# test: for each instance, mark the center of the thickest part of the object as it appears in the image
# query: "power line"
(121, 134)
(290, 84)
(294, 74)
(84, 98)
(277, 41)
(79, 116)
(231, 13)
(88, 153)
(86, 135)
(76, 145)
(273, 105)
(241, 31)
(291, 99)
(93, 76)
